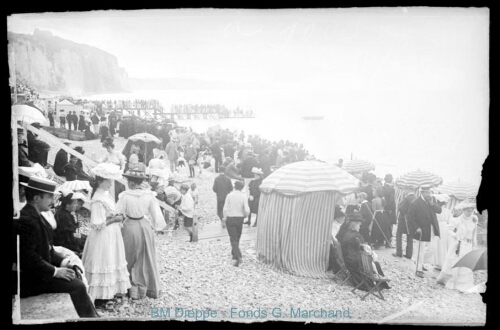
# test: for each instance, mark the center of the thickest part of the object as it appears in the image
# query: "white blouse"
(115, 157)
(138, 203)
(102, 206)
(460, 228)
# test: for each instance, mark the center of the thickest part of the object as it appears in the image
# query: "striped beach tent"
(458, 191)
(358, 166)
(296, 210)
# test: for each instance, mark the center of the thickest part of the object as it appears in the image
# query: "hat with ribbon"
(425, 188)
(41, 184)
(137, 173)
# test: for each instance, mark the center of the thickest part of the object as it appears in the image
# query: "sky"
(398, 85)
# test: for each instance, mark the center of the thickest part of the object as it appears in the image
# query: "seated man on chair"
(43, 270)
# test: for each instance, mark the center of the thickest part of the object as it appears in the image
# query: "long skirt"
(105, 263)
(441, 245)
(354, 268)
(377, 234)
(459, 278)
(140, 252)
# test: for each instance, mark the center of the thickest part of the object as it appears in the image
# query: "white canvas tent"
(69, 106)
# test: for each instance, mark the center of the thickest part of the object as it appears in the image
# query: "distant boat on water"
(313, 118)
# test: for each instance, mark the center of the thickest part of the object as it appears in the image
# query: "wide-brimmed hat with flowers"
(107, 171)
(137, 173)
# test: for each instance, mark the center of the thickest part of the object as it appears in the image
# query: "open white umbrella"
(146, 137)
(310, 176)
(27, 114)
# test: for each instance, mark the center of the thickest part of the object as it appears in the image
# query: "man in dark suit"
(389, 195)
(217, 154)
(422, 215)
(404, 226)
(69, 119)
(74, 118)
(43, 270)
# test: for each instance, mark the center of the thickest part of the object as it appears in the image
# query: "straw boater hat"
(256, 170)
(41, 184)
(468, 203)
(425, 188)
(107, 171)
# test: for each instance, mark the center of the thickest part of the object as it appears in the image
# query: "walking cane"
(418, 254)
(385, 237)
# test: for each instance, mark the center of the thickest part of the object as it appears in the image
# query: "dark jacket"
(254, 189)
(60, 161)
(403, 207)
(265, 165)
(222, 186)
(389, 193)
(94, 119)
(81, 123)
(422, 215)
(38, 259)
(246, 167)
(66, 227)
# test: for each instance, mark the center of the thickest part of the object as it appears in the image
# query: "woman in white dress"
(442, 242)
(462, 233)
(104, 252)
(142, 215)
(117, 158)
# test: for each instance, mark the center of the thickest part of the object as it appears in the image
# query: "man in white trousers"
(422, 214)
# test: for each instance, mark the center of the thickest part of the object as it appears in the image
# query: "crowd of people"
(118, 257)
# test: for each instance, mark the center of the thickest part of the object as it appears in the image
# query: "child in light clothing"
(194, 193)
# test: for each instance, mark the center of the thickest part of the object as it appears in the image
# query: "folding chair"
(370, 276)
(340, 261)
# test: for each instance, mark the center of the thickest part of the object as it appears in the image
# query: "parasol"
(460, 190)
(310, 176)
(146, 137)
(354, 166)
(75, 185)
(475, 260)
(27, 114)
(417, 179)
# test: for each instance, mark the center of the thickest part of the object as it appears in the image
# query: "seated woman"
(338, 220)
(133, 160)
(65, 233)
(352, 244)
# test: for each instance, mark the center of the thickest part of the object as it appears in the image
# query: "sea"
(369, 126)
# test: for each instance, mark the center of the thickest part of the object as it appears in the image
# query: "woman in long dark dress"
(254, 198)
(81, 123)
(352, 244)
(381, 228)
(65, 233)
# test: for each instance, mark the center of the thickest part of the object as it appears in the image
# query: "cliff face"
(53, 64)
